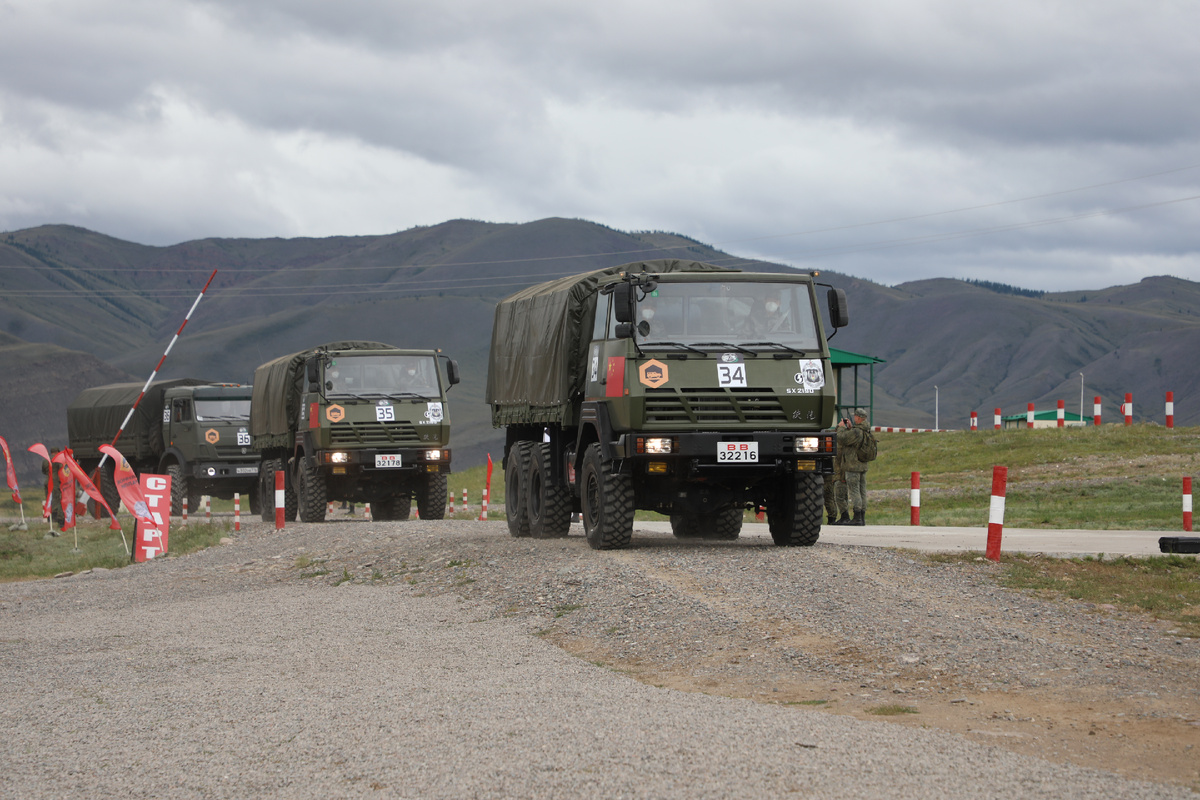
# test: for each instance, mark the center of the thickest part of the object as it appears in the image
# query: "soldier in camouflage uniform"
(836, 506)
(849, 439)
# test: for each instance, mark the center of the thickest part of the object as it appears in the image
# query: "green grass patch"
(891, 710)
(565, 608)
(28, 554)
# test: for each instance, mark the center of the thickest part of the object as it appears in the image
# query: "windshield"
(739, 313)
(382, 375)
(231, 409)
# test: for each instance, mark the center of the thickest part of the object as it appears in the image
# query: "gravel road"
(446, 659)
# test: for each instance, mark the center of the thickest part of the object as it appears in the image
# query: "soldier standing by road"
(856, 449)
(836, 506)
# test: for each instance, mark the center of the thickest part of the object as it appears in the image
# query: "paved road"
(1050, 542)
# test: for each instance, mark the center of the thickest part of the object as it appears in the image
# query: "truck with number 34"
(680, 387)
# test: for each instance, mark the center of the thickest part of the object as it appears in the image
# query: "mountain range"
(78, 308)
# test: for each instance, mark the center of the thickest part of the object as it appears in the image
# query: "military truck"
(195, 431)
(354, 421)
(674, 386)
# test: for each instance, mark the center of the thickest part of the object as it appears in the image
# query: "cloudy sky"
(1050, 145)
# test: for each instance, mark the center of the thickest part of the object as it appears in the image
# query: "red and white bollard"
(996, 512)
(183, 507)
(367, 512)
(1187, 504)
(483, 510)
(1062, 414)
(487, 490)
(914, 500)
(1029, 416)
(451, 493)
(974, 421)
(465, 506)
(1096, 412)
(279, 501)
(207, 508)
(997, 419)
(237, 511)
(1127, 409)
(1170, 409)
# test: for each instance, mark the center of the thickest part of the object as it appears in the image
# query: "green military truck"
(673, 386)
(354, 421)
(195, 431)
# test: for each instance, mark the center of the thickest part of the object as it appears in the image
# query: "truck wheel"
(254, 497)
(548, 504)
(312, 493)
(431, 496)
(794, 513)
(267, 490)
(395, 507)
(607, 502)
(516, 494)
(108, 488)
(685, 526)
(178, 490)
(726, 524)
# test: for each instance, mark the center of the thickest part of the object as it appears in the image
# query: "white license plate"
(737, 452)
(383, 462)
(247, 470)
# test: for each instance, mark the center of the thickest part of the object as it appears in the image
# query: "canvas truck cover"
(278, 386)
(540, 337)
(96, 414)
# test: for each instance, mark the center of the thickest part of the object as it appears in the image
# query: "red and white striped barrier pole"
(996, 512)
(466, 508)
(1170, 409)
(1187, 504)
(1062, 414)
(237, 511)
(1096, 412)
(207, 508)
(974, 421)
(367, 512)
(1029, 416)
(451, 493)
(487, 490)
(1128, 409)
(279, 501)
(183, 507)
(914, 500)
(997, 419)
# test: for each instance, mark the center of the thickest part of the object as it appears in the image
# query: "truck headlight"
(655, 445)
(433, 455)
(807, 444)
(338, 458)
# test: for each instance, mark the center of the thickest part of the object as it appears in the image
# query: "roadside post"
(1029, 416)
(914, 499)
(1187, 504)
(1170, 409)
(996, 513)
(279, 501)
(1096, 412)
(997, 423)
(974, 421)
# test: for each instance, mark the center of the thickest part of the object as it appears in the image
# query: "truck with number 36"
(680, 387)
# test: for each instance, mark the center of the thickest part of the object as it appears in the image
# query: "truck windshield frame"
(222, 408)
(730, 312)
(382, 375)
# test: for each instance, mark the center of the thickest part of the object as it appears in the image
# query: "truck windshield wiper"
(651, 345)
(777, 345)
(396, 395)
(737, 347)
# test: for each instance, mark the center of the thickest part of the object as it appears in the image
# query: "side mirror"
(313, 369)
(623, 330)
(623, 304)
(839, 314)
(452, 373)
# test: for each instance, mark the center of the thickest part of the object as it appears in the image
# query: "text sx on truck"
(672, 386)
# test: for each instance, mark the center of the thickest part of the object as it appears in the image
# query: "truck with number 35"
(680, 387)
(355, 421)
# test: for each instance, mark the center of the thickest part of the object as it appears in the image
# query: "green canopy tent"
(842, 360)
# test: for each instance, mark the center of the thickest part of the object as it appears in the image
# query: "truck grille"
(233, 451)
(372, 433)
(713, 405)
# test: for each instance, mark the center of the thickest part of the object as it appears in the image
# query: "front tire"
(548, 504)
(431, 496)
(607, 502)
(516, 494)
(794, 514)
(313, 493)
(178, 489)
(393, 508)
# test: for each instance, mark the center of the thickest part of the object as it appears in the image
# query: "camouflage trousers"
(835, 496)
(856, 487)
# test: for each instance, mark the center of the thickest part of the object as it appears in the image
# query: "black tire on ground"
(607, 500)
(685, 526)
(794, 513)
(726, 524)
(548, 505)
(393, 508)
(516, 494)
(254, 500)
(178, 489)
(266, 489)
(431, 496)
(291, 500)
(312, 494)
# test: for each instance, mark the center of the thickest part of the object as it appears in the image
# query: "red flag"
(85, 482)
(128, 486)
(66, 494)
(12, 473)
(40, 449)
